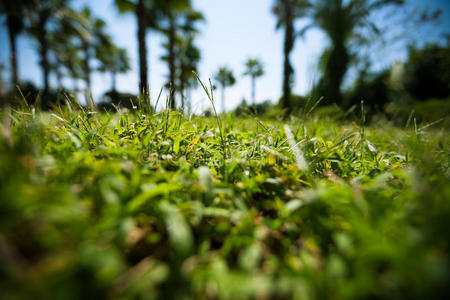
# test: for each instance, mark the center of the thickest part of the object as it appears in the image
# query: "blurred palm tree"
(93, 36)
(113, 60)
(73, 63)
(170, 12)
(65, 48)
(254, 69)
(342, 21)
(144, 12)
(14, 11)
(225, 78)
(287, 11)
(74, 41)
(187, 54)
(189, 57)
(42, 13)
(65, 60)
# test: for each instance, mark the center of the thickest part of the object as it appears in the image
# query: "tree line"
(75, 43)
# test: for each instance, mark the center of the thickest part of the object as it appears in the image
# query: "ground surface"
(144, 206)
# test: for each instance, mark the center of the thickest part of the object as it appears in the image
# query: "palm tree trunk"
(59, 77)
(42, 37)
(4, 103)
(223, 98)
(13, 46)
(253, 89)
(141, 35)
(336, 68)
(189, 101)
(113, 81)
(75, 84)
(182, 85)
(86, 66)
(287, 68)
(172, 60)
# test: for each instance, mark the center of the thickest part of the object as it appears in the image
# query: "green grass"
(161, 206)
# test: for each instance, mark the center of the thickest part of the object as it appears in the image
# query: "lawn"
(145, 205)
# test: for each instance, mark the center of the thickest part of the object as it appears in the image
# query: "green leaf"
(125, 6)
(180, 234)
(156, 190)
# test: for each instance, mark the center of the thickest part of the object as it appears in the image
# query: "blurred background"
(393, 54)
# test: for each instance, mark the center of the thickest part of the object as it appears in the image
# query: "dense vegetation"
(73, 43)
(141, 205)
(291, 199)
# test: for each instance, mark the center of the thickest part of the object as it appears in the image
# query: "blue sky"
(234, 30)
